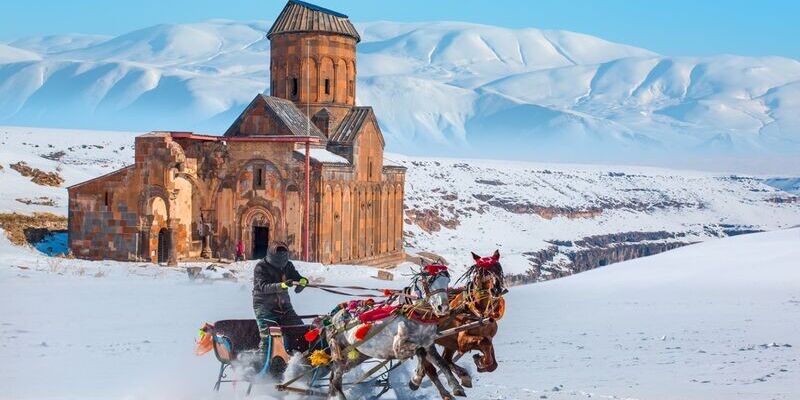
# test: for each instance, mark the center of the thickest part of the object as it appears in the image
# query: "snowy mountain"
(472, 90)
(548, 220)
(716, 320)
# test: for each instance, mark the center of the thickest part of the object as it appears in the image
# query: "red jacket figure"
(239, 250)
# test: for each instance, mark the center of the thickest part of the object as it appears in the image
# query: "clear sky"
(670, 27)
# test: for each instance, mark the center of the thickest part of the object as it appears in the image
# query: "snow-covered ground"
(472, 89)
(717, 320)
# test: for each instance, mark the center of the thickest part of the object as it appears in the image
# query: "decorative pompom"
(362, 331)
(369, 302)
(485, 262)
(433, 269)
(311, 335)
(319, 358)
(353, 355)
(387, 292)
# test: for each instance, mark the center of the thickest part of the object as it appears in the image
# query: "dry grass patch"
(24, 229)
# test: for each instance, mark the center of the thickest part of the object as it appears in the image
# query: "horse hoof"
(413, 386)
(467, 383)
(459, 392)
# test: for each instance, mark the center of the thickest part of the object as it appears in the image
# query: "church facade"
(303, 165)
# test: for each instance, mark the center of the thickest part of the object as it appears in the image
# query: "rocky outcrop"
(29, 229)
(592, 211)
(546, 212)
(566, 257)
(430, 220)
(38, 201)
(38, 176)
(784, 200)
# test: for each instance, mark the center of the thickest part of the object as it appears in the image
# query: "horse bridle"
(427, 288)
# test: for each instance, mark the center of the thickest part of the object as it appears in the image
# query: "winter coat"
(267, 291)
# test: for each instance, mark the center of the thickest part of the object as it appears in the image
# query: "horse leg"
(462, 373)
(426, 368)
(338, 363)
(487, 363)
(419, 372)
(436, 359)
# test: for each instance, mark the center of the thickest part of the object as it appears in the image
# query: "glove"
(286, 285)
(301, 284)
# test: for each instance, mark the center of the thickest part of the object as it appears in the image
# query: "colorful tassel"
(387, 292)
(362, 331)
(311, 335)
(319, 358)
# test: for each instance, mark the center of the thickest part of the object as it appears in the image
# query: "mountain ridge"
(462, 88)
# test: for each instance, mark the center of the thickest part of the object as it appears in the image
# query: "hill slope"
(466, 88)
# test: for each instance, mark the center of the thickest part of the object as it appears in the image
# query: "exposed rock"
(450, 197)
(430, 220)
(550, 212)
(38, 176)
(27, 229)
(566, 257)
(55, 156)
(784, 200)
(490, 182)
(424, 258)
(38, 201)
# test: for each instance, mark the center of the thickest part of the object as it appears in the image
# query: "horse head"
(431, 285)
(487, 273)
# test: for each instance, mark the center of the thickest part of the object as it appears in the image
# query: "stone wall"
(311, 59)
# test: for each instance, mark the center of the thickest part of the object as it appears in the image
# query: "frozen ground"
(716, 320)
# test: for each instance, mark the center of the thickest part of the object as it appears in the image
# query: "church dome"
(299, 17)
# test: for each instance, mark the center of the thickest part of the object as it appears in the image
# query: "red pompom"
(433, 269)
(312, 335)
(388, 292)
(362, 331)
(485, 262)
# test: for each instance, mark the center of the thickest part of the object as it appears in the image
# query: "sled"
(235, 344)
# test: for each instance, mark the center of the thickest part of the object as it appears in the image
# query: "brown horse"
(481, 298)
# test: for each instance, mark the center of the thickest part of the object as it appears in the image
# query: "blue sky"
(671, 27)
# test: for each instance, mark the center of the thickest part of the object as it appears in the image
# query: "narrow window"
(327, 86)
(107, 199)
(370, 169)
(272, 88)
(258, 178)
(350, 88)
(294, 87)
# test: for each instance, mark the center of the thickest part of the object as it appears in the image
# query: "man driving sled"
(272, 278)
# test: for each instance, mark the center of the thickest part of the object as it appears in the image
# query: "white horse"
(395, 337)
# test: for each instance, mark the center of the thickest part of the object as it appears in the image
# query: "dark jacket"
(267, 291)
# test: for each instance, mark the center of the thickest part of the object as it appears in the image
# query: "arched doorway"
(163, 245)
(257, 231)
(260, 235)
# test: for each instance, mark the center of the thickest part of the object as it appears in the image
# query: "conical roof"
(299, 16)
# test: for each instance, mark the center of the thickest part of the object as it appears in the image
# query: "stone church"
(303, 165)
